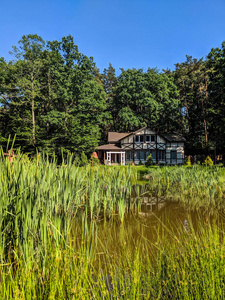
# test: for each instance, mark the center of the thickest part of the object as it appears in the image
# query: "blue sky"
(127, 33)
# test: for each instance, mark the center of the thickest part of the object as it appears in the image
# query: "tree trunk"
(185, 101)
(32, 107)
(204, 119)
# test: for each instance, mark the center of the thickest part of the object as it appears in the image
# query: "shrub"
(161, 164)
(83, 159)
(208, 161)
(94, 161)
(187, 162)
(149, 161)
(77, 160)
(140, 163)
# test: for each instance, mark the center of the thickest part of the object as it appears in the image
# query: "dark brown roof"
(109, 147)
(114, 137)
(173, 137)
(132, 132)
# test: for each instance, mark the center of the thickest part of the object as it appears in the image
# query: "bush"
(83, 159)
(161, 164)
(208, 161)
(77, 160)
(94, 161)
(149, 161)
(187, 162)
(140, 163)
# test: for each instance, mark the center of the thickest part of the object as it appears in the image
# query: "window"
(139, 139)
(161, 154)
(150, 138)
(136, 155)
(153, 154)
(127, 155)
(173, 154)
(142, 155)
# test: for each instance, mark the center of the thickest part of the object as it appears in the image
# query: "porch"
(110, 154)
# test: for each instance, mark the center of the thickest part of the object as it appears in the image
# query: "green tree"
(191, 79)
(29, 64)
(146, 99)
(216, 94)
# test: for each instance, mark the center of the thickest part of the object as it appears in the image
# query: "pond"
(154, 219)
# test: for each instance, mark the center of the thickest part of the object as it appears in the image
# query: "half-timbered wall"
(175, 153)
(140, 145)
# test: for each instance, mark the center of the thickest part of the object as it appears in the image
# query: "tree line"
(54, 98)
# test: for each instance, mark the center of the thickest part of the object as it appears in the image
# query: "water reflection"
(157, 220)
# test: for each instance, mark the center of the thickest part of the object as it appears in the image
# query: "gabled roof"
(173, 137)
(114, 137)
(109, 147)
(134, 132)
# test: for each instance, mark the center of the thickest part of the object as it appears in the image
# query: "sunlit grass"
(65, 233)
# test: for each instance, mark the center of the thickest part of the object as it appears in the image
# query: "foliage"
(208, 161)
(187, 161)
(83, 159)
(51, 99)
(54, 96)
(51, 246)
(149, 161)
(145, 99)
(94, 161)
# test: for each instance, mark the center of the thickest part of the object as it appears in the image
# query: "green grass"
(66, 234)
(196, 186)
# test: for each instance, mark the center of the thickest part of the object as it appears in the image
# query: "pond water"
(156, 220)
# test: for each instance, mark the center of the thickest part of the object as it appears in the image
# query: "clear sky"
(127, 33)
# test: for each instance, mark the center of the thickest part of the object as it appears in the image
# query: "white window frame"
(150, 140)
(138, 135)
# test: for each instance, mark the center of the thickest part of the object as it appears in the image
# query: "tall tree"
(216, 92)
(146, 99)
(29, 63)
(110, 81)
(191, 79)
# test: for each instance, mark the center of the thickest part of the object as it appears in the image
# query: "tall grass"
(57, 242)
(39, 198)
(181, 265)
(197, 186)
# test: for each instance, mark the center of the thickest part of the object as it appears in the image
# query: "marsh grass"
(182, 265)
(65, 234)
(196, 186)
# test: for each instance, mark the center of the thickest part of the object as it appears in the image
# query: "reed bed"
(60, 224)
(185, 265)
(196, 186)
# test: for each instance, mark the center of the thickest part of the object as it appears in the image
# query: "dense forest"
(53, 97)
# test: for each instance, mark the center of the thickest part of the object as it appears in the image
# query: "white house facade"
(133, 147)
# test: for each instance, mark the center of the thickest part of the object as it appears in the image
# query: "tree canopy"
(53, 97)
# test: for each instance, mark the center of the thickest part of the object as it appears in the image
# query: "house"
(133, 147)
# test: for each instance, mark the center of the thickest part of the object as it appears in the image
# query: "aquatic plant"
(64, 233)
(196, 186)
